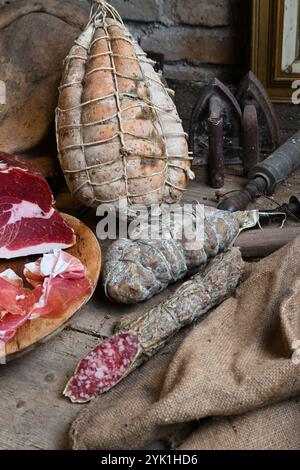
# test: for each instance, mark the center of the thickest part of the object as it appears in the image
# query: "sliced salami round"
(103, 367)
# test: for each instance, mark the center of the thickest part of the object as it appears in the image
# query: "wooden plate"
(34, 332)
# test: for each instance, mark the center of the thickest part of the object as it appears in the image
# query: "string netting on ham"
(101, 18)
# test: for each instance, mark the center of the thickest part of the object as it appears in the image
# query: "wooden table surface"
(33, 412)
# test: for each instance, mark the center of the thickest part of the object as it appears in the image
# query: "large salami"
(136, 269)
(137, 340)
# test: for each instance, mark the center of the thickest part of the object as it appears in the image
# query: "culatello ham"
(119, 136)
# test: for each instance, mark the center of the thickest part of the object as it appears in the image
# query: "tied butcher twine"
(119, 136)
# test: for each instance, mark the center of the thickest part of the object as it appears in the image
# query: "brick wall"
(200, 40)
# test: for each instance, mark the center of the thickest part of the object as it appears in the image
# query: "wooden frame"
(290, 62)
(274, 54)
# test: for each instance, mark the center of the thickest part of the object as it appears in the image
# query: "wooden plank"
(261, 243)
(34, 415)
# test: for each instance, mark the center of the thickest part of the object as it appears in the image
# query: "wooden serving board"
(34, 332)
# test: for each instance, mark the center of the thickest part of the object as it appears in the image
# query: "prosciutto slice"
(58, 279)
(29, 224)
(57, 294)
(16, 304)
(14, 298)
(9, 325)
(59, 263)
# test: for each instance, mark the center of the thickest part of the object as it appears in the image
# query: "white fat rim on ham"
(10, 275)
(27, 210)
(4, 168)
(56, 263)
(53, 264)
(32, 250)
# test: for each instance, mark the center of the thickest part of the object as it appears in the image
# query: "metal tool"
(251, 92)
(251, 154)
(285, 210)
(265, 176)
(261, 134)
(215, 131)
(233, 131)
(216, 167)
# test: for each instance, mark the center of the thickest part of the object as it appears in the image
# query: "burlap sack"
(233, 366)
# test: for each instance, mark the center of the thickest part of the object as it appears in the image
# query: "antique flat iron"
(228, 130)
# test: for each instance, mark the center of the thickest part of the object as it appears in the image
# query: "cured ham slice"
(9, 325)
(57, 294)
(16, 304)
(59, 263)
(59, 279)
(14, 298)
(24, 181)
(29, 224)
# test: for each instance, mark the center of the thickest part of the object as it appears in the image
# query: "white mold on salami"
(137, 269)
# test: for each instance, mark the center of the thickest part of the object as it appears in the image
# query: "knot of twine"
(102, 9)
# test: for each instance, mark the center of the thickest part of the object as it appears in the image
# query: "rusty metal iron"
(250, 138)
(216, 170)
(251, 91)
(237, 131)
(240, 199)
(265, 176)
(232, 122)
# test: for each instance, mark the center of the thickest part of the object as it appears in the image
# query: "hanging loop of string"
(101, 9)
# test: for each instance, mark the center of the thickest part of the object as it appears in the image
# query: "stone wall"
(200, 40)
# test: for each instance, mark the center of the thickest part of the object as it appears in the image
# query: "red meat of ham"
(16, 304)
(55, 295)
(29, 224)
(24, 181)
(58, 279)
